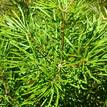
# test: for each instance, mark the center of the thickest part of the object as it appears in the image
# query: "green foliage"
(55, 55)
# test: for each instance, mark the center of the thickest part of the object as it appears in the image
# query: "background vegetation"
(53, 53)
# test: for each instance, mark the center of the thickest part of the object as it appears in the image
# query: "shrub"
(54, 56)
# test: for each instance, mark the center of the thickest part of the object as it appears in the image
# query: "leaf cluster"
(35, 71)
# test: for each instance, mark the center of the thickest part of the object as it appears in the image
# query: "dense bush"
(54, 55)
